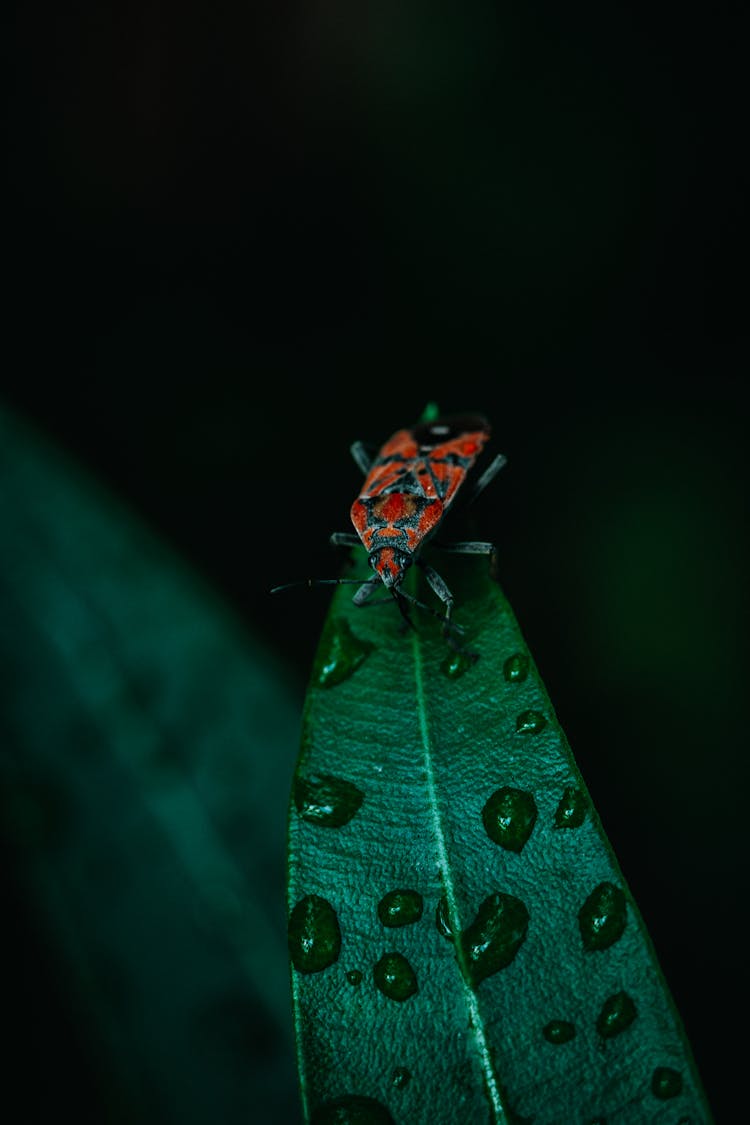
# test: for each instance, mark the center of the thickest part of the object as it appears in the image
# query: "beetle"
(409, 486)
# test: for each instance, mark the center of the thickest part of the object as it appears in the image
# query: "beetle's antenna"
(400, 600)
(310, 582)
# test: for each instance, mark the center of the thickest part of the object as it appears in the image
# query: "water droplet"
(341, 652)
(326, 800)
(352, 1109)
(530, 722)
(456, 663)
(558, 1031)
(442, 922)
(314, 934)
(618, 1012)
(571, 812)
(509, 817)
(354, 977)
(401, 1077)
(400, 908)
(516, 668)
(666, 1082)
(602, 917)
(395, 977)
(494, 937)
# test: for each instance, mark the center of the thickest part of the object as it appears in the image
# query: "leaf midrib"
(476, 1022)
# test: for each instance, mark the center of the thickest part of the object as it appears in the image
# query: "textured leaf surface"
(143, 784)
(464, 945)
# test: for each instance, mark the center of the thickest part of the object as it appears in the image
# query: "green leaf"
(144, 775)
(521, 984)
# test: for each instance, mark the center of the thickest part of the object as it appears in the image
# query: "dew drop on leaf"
(325, 800)
(516, 668)
(395, 977)
(618, 1012)
(494, 937)
(602, 917)
(455, 664)
(530, 722)
(401, 1077)
(666, 1082)
(341, 653)
(400, 908)
(352, 1109)
(571, 812)
(558, 1031)
(354, 977)
(442, 922)
(314, 934)
(509, 817)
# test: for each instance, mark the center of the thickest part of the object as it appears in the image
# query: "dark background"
(241, 236)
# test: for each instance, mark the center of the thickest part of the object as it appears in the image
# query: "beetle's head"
(391, 564)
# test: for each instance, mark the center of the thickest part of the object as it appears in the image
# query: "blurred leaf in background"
(147, 745)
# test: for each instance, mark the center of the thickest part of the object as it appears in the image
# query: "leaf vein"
(492, 1086)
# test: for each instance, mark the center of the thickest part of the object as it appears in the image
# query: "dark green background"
(241, 236)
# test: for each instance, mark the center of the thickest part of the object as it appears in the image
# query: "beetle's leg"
(440, 588)
(487, 477)
(402, 603)
(366, 590)
(344, 539)
(470, 547)
(361, 457)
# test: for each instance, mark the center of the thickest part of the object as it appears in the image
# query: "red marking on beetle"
(393, 506)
